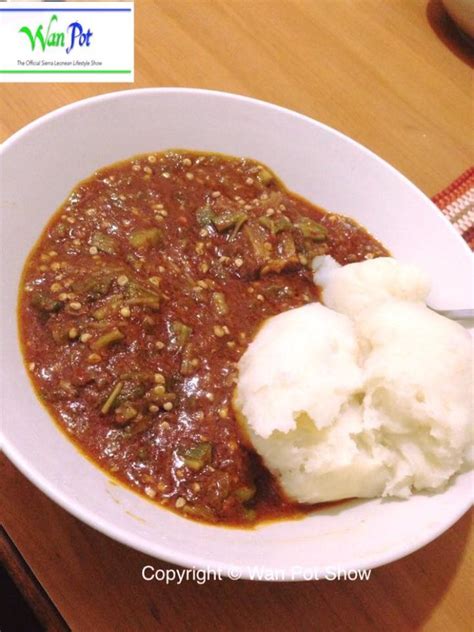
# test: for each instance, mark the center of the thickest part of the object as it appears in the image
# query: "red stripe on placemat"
(456, 201)
(469, 236)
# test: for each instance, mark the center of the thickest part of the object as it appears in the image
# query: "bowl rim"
(122, 535)
(187, 560)
(117, 94)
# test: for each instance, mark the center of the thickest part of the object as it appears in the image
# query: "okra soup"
(139, 299)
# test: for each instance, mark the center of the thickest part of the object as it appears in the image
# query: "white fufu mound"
(289, 350)
(373, 401)
(356, 287)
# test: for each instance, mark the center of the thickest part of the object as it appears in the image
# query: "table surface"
(394, 75)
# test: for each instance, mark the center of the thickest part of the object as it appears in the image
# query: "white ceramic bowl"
(39, 166)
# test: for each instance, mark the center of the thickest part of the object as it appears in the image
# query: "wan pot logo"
(75, 35)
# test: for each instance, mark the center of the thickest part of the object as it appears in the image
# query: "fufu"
(368, 394)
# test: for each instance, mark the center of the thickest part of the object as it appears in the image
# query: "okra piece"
(245, 493)
(268, 223)
(311, 229)
(204, 215)
(202, 512)
(287, 246)
(109, 402)
(93, 286)
(250, 514)
(145, 301)
(44, 303)
(219, 303)
(189, 363)
(257, 241)
(125, 412)
(104, 243)
(146, 237)
(229, 219)
(137, 294)
(197, 456)
(115, 335)
(282, 223)
(181, 333)
(275, 226)
(265, 177)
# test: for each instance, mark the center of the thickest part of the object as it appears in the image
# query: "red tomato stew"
(137, 302)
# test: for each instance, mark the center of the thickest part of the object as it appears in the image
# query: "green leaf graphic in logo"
(38, 36)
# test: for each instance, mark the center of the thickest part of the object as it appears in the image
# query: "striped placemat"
(457, 202)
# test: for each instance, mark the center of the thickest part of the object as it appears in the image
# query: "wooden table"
(392, 74)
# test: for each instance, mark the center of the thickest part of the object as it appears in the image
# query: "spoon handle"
(456, 314)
